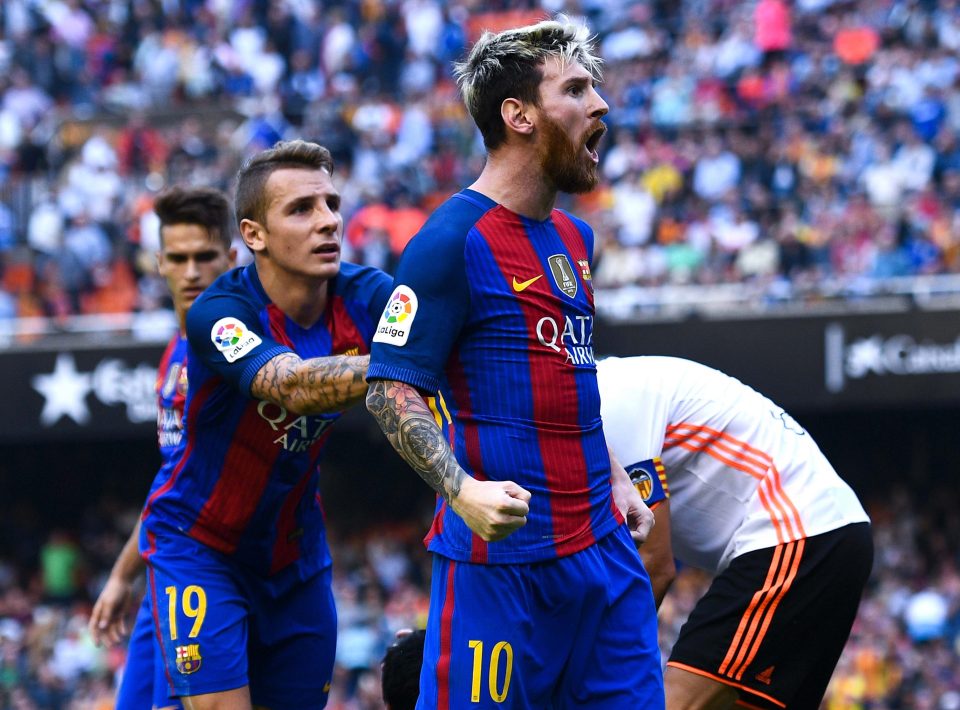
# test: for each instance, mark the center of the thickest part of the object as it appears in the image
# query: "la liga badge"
(397, 319)
(233, 339)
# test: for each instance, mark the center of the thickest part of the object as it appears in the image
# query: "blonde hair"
(509, 64)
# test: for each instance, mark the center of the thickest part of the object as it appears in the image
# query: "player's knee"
(237, 699)
(688, 691)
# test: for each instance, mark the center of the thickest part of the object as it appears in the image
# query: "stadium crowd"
(774, 144)
(903, 654)
(781, 145)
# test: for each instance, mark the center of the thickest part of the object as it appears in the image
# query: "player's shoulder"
(565, 222)
(582, 225)
(357, 277)
(655, 372)
(241, 282)
(234, 292)
(453, 220)
(176, 338)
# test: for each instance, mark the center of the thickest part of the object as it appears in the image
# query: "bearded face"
(570, 165)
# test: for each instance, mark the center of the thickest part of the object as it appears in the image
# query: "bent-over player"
(746, 494)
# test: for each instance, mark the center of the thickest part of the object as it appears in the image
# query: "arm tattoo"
(411, 429)
(314, 386)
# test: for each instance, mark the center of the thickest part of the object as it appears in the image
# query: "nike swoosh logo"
(519, 286)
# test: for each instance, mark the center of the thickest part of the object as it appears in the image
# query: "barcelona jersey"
(171, 391)
(143, 683)
(493, 313)
(244, 479)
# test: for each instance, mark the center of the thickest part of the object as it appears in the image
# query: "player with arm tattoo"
(495, 510)
(483, 379)
(232, 533)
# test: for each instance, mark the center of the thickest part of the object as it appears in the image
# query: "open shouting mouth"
(593, 140)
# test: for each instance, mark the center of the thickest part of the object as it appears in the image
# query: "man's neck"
(302, 300)
(513, 178)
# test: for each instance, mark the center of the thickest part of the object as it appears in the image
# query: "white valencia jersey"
(742, 474)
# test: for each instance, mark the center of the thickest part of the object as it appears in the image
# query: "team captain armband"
(650, 479)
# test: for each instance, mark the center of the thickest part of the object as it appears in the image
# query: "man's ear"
(517, 116)
(252, 234)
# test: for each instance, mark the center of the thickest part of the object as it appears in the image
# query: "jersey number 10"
(503, 649)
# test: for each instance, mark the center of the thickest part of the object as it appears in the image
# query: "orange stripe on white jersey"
(747, 452)
(741, 456)
(795, 514)
(777, 505)
(718, 451)
(743, 475)
(706, 447)
(765, 502)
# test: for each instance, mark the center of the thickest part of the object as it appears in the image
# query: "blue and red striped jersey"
(494, 312)
(171, 391)
(244, 480)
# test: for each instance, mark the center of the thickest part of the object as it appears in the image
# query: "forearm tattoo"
(411, 429)
(314, 386)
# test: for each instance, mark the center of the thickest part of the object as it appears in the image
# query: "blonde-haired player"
(538, 598)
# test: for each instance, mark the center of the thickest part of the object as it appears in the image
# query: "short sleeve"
(427, 308)
(224, 331)
(379, 286)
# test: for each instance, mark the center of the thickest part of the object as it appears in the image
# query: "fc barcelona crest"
(188, 658)
(182, 381)
(585, 273)
(563, 274)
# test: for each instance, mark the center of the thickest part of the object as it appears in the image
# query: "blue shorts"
(576, 632)
(224, 627)
(143, 684)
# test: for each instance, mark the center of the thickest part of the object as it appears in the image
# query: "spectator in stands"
(882, 666)
(832, 103)
(140, 147)
(61, 564)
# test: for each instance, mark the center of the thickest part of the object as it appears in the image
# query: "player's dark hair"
(401, 672)
(203, 206)
(252, 200)
(509, 65)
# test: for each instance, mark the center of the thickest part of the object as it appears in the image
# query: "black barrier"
(87, 394)
(818, 363)
(79, 394)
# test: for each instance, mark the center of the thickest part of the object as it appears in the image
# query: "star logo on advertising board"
(65, 392)
(112, 382)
